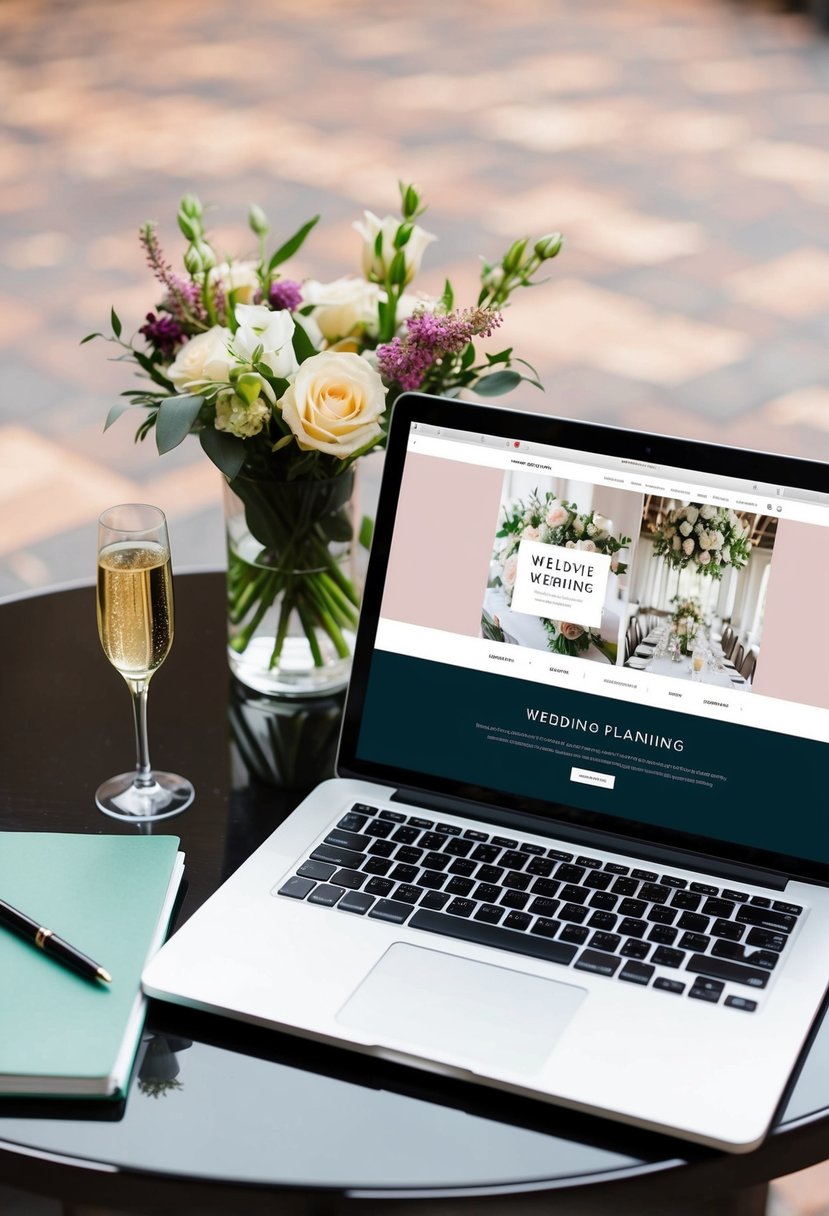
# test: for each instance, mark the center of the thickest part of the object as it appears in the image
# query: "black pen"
(49, 942)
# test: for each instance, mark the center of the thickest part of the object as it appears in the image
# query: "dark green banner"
(678, 771)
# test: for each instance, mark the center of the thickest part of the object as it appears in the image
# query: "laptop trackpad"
(488, 1017)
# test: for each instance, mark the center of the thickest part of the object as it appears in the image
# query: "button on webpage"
(585, 776)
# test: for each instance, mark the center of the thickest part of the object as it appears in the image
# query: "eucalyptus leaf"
(499, 382)
(176, 416)
(89, 338)
(115, 413)
(291, 246)
(116, 323)
(226, 451)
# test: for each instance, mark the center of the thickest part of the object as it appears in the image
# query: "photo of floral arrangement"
(697, 592)
(583, 518)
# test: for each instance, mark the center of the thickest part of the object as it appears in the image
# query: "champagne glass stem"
(143, 772)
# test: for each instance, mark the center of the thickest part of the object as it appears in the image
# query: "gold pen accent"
(41, 936)
(104, 975)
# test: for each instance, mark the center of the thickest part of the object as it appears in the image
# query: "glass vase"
(293, 591)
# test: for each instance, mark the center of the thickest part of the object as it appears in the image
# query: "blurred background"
(680, 145)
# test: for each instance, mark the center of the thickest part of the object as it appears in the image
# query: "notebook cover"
(109, 896)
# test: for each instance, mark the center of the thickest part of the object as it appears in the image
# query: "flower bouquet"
(287, 384)
(706, 538)
(686, 619)
(552, 521)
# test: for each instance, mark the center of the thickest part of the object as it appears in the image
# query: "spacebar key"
(491, 935)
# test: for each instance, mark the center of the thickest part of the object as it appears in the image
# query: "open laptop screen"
(595, 625)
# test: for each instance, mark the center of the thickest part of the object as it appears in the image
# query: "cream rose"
(556, 516)
(375, 265)
(335, 403)
(510, 570)
(570, 632)
(237, 277)
(343, 308)
(203, 360)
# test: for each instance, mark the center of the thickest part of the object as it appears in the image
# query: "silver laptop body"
(587, 872)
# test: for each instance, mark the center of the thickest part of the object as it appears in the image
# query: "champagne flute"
(135, 625)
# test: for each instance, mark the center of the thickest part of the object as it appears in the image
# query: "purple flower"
(285, 294)
(164, 333)
(429, 337)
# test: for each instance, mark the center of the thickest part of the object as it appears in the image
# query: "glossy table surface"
(224, 1118)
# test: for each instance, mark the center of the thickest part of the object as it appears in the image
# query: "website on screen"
(578, 628)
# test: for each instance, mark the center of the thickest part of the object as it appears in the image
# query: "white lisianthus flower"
(343, 308)
(273, 331)
(688, 546)
(238, 418)
(685, 528)
(334, 403)
(587, 546)
(726, 554)
(530, 533)
(703, 557)
(715, 540)
(578, 525)
(570, 544)
(556, 516)
(510, 570)
(375, 265)
(708, 512)
(592, 530)
(704, 539)
(203, 360)
(691, 514)
(240, 278)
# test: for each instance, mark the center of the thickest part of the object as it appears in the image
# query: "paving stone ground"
(681, 145)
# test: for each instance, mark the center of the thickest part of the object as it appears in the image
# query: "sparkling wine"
(135, 606)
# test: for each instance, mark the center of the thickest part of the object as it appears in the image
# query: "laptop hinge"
(602, 840)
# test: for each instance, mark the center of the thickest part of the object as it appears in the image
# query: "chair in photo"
(736, 657)
(746, 668)
(728, 639)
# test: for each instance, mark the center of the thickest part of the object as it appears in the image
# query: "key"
(605, 941)
(597, 962)
(667, 985)
(461, 907)
(545, 927)
(487, 892)
(378, 886)
(573, 912)
(338, 856)
(491, 914)
(516, 881)
(352, 879)
(434, 900)
(514, 899)
(631, 927)
(706, 990)
(326, 895)
(666, 957)
(297, 888)
(433, 879)
(766, 918)
(352, 822)
(348, 840)
(635, 949)
(494, 935)
(320, 871)
(636, 973)
(544, 907)
(517, 920)
(727, 928)
(377, 865)
(408, 894)
(577, 934)
(403, 873)
(391, 910)
(741, 1002)
(459, 886)
(544, 886)
(725, 969)
(602, 920)
(355, 901)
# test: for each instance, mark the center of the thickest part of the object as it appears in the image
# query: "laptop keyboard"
(636, 925)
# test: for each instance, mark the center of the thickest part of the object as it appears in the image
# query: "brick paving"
(680, 145)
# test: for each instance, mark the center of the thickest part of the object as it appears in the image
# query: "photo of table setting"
(668, 649)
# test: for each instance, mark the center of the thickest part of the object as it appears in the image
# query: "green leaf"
(447, 300)
(89, 338)
(152, 371)
(116, 323)
(498, 383)
(468, 356)
(366, 533)
(291, 246)
(503, 356)
(176, 416)
(115, 413)
(226, 451)
(303, 346)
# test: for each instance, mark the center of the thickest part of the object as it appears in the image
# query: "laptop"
(576, 848)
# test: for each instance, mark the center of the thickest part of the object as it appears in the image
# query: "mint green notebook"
(110, 897)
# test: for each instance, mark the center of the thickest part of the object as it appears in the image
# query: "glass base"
(121, 798)
(295, 675)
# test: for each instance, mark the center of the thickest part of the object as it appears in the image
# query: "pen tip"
(104, 975)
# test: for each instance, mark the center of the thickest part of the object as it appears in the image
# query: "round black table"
(224, 1118)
